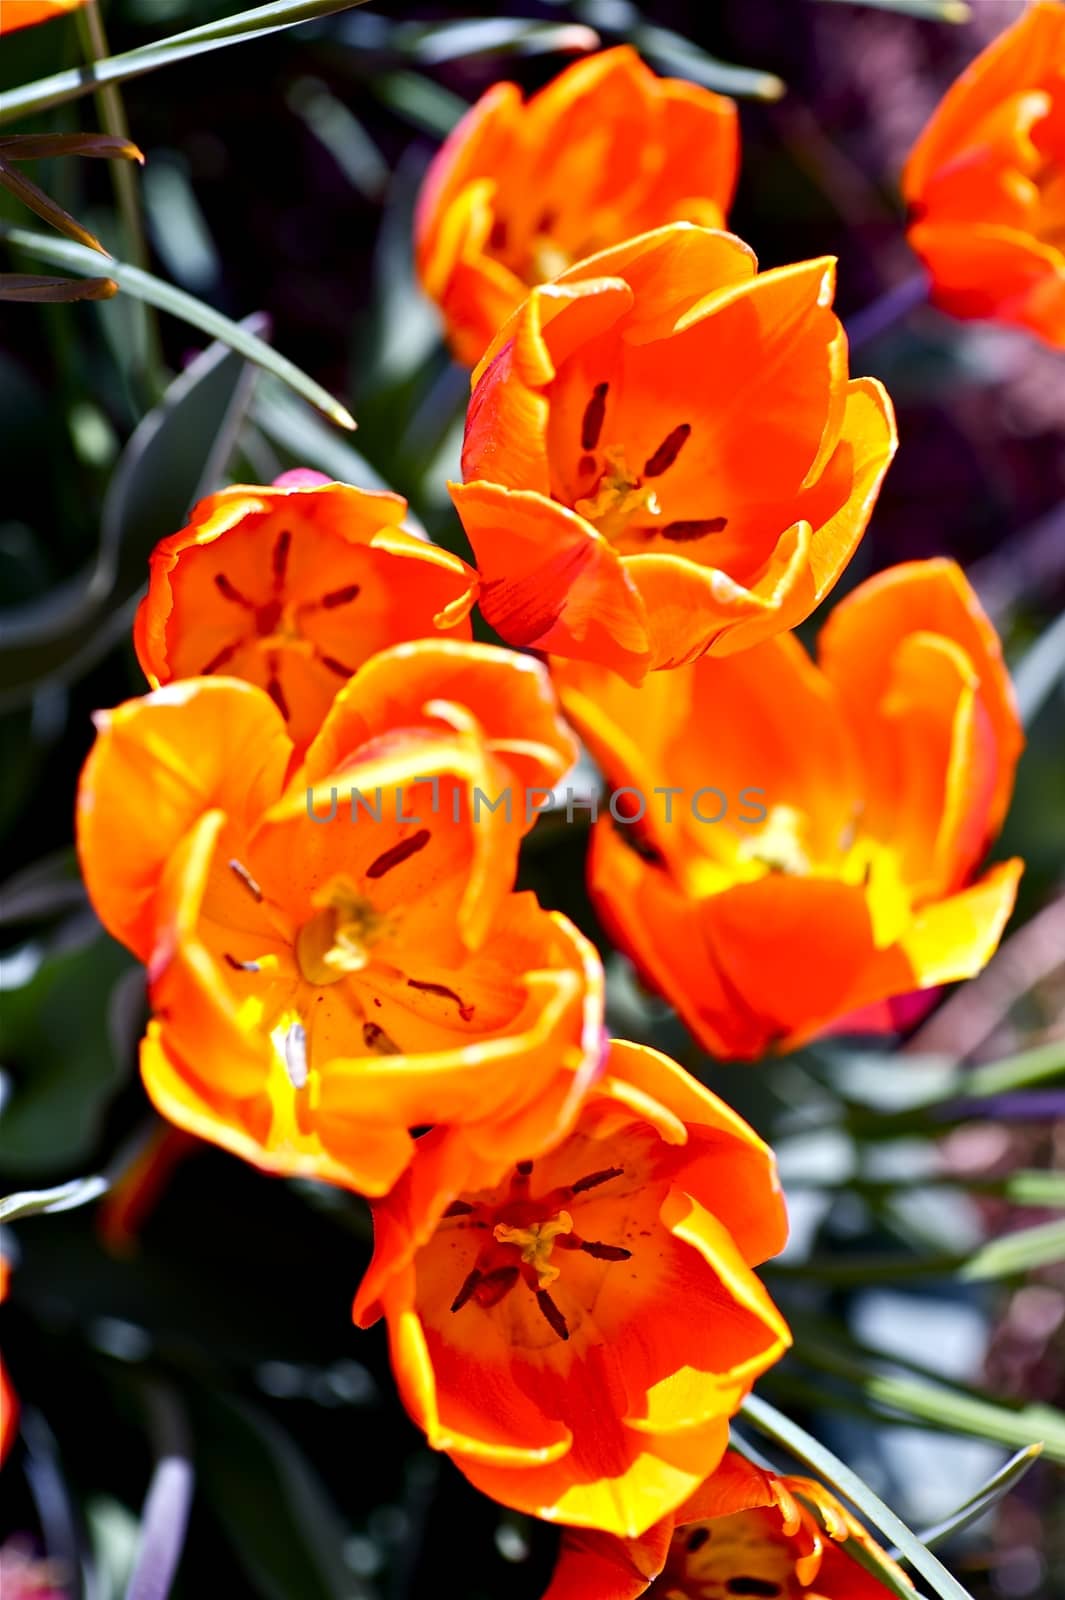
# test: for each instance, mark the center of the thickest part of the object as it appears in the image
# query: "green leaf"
(842, 1481)
(55, 1035)
(65, 1197)
(243, 25)
(33, 197)
(1017, 1253)
(429, 106)
(932, 10)
(271, 1504)
(675, 54)
(154, 292)
(436, 42)
(996, 1488)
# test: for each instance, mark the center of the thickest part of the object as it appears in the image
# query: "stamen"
(465, 1011)
(552, 1313)
(398, 853)
(231, 592)
(336, 666)
(668, 451)
(275, 691)
(465, 1294)
(246, 879)
(497, 239)
(586, 465)
(240, 966)
(594, 1179)
(280, 556)
(697, 1538)
(296, 1055)
(523, 1168)
(604, 1252)
(594, 415)
(761, 1587)
(459, 1208)
(376, 1039)
(341, 597)
(225, 654)
(495, 1286)
(682, 532)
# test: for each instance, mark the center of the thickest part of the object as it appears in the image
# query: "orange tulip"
(743, 1532)
(9, 1407)
(986, 182)
(818, 851)
(527, 1318)
(293, 587)
(664, 455)
(23, 13)
(335, 961)
(522, 190)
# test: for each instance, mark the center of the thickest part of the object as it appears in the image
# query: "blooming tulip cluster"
(309, 829)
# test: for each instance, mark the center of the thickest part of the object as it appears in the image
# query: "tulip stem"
(890, 308)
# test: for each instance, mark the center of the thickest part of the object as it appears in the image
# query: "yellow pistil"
(619, 497)
(536, 1243)
(780, 845)
(337, 940)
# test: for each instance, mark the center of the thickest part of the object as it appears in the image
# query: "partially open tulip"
(986, 181)
(810, 835)
(521, 190)
(744, 1532)
(292, 587)
(577, 1336)
(341, 959)
(24, 13)
(665, 457)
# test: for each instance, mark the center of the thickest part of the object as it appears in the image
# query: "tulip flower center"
(272, 628)
(337, 940)
(780, 845)
(743, 1555)
(521, 1234)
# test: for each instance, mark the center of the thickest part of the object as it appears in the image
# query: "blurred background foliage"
(925, 1279)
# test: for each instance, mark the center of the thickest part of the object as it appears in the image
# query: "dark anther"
(668, 451)
(240, 966)
(594, 1179)
(280, 557)
(547, 221)
(246, 879)
(336, 666)
(225, 654)
(459, 1208)
(341, 597)
(594, 413)
(552, 1313)
(605, 1252)
(465, 1012)
(277, 694)
(398, 854)
(377, 1040)
(763, 1587)
(697, 1538)
(497, 239)
(523, 1168)
(231, 592)
(681, 532)
(466, 1292)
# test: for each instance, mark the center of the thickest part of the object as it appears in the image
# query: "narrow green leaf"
(255, 24)
(932, 10)
(1039, 1065)
(34, 198)
(154, 292)
(436, 42)
(995, 1489)
(1015, 1253)
(425, 104)
(38, 1202)
(675, 54)
(839, 1477)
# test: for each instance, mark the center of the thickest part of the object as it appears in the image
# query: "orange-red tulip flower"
(520, 191)
(986, 182)
(577, 1336)
(323, 983)
(817, 854)
(24, 13)
(743, 1532)
(664, 455)
(292, 587)
(8, 1398)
